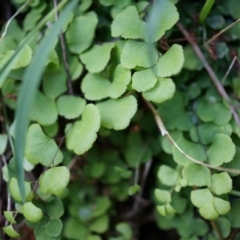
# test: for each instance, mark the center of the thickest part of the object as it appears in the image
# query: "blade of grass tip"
(5, 70)
(30, 83)
(205, 10)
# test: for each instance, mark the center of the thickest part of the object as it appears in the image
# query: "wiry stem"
(64, 54)
(161, 127)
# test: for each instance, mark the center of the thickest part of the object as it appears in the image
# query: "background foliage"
(120, 119)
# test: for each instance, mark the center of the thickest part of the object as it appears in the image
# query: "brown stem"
(210, 71)
(215, 227)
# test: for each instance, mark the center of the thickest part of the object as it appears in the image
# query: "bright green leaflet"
(81, 32)
(54, 227)
(135, 54)
(121, 27)
(40, 148)
(116, 114)
(101, 56)
(167, 175)
(82, 134)
(9, 230)
(9, 216)
(31, 212)
(171, 62)
(221, 150)
(100, 224)
(161, 92)
(3, 143)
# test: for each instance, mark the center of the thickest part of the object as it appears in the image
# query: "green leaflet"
(220, 183)
(43, 110)
(40, 148)
(192, 149)
(135, 54)
(162, 17)
(75, 229)
(54, 227)
(54, 180)
(82, 134)
(14, 190)
(116, 114)
(9, 230)
(143, 80)
(97, 58)
(171, 62)
(196, 175)
(125, 229)
(167, 175)
(162, 196)
(100, 224)
(213, 111)
(161, 92)
(191, 61)
(81, 32)
(209, 206)
(222, 150)
(97, 87)
(31, 212)
(128, 24)
(9, 216)
(54, 83)
(70, 106)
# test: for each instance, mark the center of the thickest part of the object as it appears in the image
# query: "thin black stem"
(64, 55)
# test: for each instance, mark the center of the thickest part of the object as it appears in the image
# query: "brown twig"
(210, 71)
(64, 55)
(162, 128)
(222, 31)
(215, 227)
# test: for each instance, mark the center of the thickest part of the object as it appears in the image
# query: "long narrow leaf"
(205, 10)
(30, 83)
(5, 70)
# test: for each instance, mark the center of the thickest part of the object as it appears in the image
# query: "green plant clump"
(105, 111)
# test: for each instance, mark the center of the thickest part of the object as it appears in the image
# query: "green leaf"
(9, 216)
(10, 231)
(221, 206)
(40, 234)
(196, 175)
(116, 114)
(220, 183)
(93, 237)
(100, 224)
(43, 110)
(82, 134)
(143, 80)
(75, 229)
(125, 230)
(171, 62)
(121, 79)
(234, 215)
(213, 111)
(162, 17)
(54, 227)
(224, 226)
(95, 86)
(81, 32)
(191, 61)
(222, 150)
(31, 212)
(167, 175)
(101, 206)
(15, 192)
(70, 106)
(205, 10)
(3, 143)
(24, 58)
(208, 212)
(201, 197)
(162, 196)
(54, 180)
(97, 58)
(192, 149)
(128, 24)
(54, 83)
(40, 148)
(54, 208)
(134, 189)
(161, 92)
(136, 54)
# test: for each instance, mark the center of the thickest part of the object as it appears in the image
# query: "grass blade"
(205, 10)
(30, 83)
